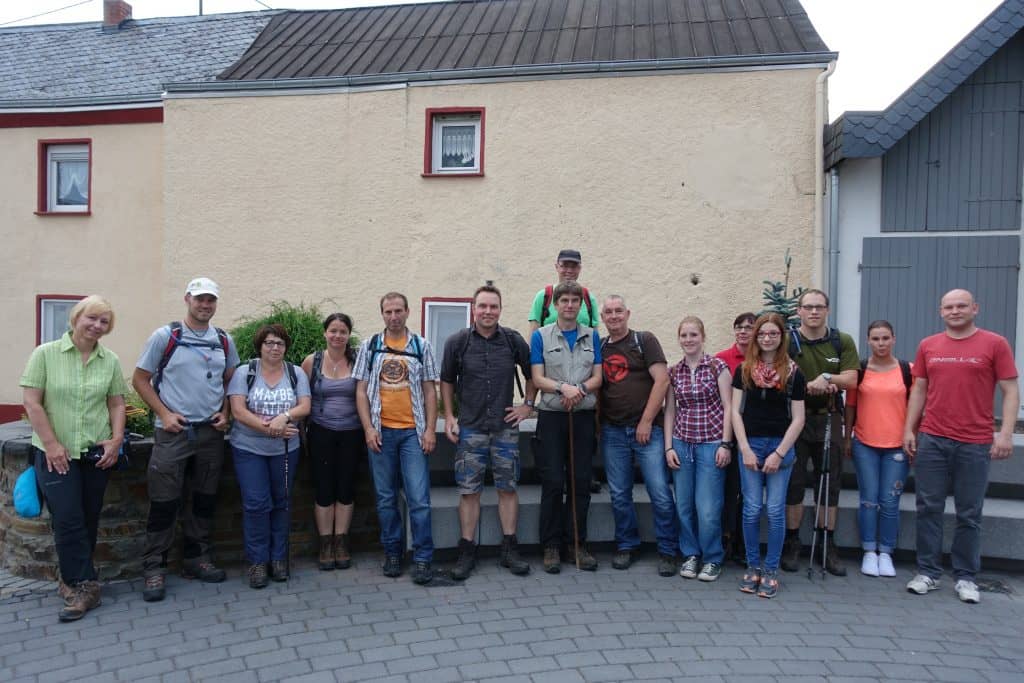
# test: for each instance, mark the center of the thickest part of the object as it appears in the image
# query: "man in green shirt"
(568, 265)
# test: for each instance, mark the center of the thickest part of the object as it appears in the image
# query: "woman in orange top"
(876, 411)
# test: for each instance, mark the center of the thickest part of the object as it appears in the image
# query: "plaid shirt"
(418, 373)
(700, 415)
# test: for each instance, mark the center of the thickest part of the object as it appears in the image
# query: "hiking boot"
(587, 562)
(710, 571)
(466, 562)
(769, 587)
(667, 565)
(790, 560)
(279, 570)
(342, 554)
(510, 558)
(204, 570)
(751, 580)
(422, 574)
(258, 575)
(967, 591)
(80, 599)
(595, 485)
(922, 584)
(154, 590)
(326, 559)
(623, 559)
(689, 568)
(392, 566)
(64, 590)
(832, 564)
(552, 560)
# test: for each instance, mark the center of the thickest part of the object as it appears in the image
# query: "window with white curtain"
(441, 319)
(455, 143)
(53, 317)
(67, 178)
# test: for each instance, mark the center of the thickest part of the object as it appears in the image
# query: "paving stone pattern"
(356, 625)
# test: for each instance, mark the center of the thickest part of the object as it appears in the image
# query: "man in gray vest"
(565, 360)
(181, 375)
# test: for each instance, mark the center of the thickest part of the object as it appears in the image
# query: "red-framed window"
(52, 315)
(442, 316)
(453, 142)
(65, 177)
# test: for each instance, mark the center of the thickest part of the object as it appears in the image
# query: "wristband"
(670, 448)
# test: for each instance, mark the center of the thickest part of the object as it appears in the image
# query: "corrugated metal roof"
(872, 133)
(478, 34)
(64, 63)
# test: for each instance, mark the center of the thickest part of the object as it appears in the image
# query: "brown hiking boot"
(326, 559)
(342, 554)
(154, 590)
(258, 575)
(81, 598)
(587, 561)
(64, 590)
(204, 570)
(552, 560)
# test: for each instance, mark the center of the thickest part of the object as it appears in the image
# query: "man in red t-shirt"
(957, 372)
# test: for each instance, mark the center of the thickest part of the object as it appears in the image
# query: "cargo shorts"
(476, 448)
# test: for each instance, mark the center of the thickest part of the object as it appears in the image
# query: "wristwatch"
(529, 403)
(827, 376)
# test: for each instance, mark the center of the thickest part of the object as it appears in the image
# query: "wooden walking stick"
(572, 494)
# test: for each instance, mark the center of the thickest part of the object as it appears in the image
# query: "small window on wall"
(442, 318)
(454, 142)
(52, 312)
(65, 172)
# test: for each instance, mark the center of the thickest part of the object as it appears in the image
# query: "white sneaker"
(885, 567)
(922, 584)
(967, 591)
(869, 565)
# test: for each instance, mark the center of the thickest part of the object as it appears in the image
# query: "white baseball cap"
(202, 285)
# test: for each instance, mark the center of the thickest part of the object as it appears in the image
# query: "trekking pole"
(826, 466)
(572, 494)
(814, 529)
(288, 516)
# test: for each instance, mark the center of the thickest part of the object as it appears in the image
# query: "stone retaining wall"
(26, 545)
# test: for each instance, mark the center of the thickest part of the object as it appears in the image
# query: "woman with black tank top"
(335, 439)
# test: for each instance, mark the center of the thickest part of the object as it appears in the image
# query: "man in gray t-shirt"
(182, 374)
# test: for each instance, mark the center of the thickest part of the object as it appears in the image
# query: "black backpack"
(908, 379)
(790, 381)
(507, 335)
(377, 346)
(549, 292)
(250, 377)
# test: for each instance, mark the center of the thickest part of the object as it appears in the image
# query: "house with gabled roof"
(925, 196)
(81, 202)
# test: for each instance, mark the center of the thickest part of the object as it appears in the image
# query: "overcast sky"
(884, 45)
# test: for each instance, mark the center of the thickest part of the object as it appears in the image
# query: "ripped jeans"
(881, 474)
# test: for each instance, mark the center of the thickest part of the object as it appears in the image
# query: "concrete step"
(1002, 534)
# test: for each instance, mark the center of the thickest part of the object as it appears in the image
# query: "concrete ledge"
(1002, 531)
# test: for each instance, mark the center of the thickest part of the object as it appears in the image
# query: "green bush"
(139, 418)
(304, 323)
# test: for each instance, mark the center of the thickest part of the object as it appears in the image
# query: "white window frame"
(438, 123)
(430, 307)
(51, 329)
(56, 153)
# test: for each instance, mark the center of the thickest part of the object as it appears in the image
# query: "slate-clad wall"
(960, 167)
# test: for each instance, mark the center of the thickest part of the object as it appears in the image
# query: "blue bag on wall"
(26, 494)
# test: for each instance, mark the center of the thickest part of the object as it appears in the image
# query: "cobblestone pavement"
(610, 625)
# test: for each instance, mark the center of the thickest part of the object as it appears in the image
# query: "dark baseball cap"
(570, 255)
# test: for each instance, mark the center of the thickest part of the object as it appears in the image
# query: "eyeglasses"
(813, 307)
(273, 343)
(768, 335)
(743, 328)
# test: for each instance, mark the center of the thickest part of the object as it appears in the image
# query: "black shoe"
(595, 485)
(422, 574)
(279, 570)
(790, 560)
(510, 558)
(832, 564)
(203, 570)
(667, 565)
(258, 575)
(623, 559)
(392, 566)
(466, 562)
(154, 590)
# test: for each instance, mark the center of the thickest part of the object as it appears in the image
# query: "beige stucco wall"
(654, 178)
(113, 252)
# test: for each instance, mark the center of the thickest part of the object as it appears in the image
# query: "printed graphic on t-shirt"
(396, 392)
(616, 367)
(265, 401)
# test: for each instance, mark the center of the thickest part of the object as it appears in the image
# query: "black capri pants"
(335, 456)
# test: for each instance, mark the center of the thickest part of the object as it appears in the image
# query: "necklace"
(335, 365)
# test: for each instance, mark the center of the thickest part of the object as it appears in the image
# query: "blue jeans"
(402, 458)
(938, 461)
(700, 493)
(757, 487)
(619, 448)
(266, 514)
(881, 473)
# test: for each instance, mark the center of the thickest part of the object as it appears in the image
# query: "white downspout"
(820, 119)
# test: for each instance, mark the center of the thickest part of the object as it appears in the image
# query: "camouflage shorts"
(476, 448)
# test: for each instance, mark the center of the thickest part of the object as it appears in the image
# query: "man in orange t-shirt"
(956, 374)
